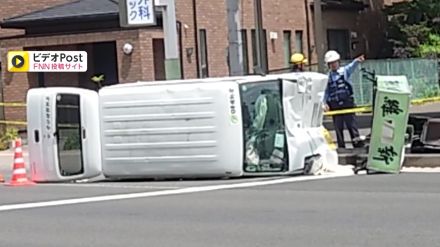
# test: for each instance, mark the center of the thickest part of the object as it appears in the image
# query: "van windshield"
(263, 126)
(69, 134)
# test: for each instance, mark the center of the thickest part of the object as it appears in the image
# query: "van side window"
(265, 145)
(68, 134)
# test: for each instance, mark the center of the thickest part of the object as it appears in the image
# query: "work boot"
(359, 142)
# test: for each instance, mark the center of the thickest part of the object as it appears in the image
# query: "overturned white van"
(218, 127)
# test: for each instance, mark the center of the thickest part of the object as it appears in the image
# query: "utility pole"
(261, 64)
(235, 50)
(172, 61)
(319, 41)
(309, 43)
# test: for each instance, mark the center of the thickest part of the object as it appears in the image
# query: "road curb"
(422, 160)
(411, 160)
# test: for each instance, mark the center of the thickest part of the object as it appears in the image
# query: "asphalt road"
(379, 210)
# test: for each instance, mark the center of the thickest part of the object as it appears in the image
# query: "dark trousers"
(348, 120)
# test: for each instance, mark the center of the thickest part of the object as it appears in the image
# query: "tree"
(414, 28)
(431, 48)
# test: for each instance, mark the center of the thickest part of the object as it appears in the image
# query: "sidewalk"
(426, 108)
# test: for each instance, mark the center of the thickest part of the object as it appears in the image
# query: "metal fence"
(422, 74)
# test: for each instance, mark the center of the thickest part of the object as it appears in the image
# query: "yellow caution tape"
(12, 104)
(361, 109)
(367, 109)
(425, 101)
(13, 122)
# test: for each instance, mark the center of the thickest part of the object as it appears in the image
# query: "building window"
(265, 64)
(287, 35)
(299, 41)
(339, 40)
(245, 52)
(203, 50)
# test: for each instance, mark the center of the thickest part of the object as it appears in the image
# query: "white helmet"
(332, 56)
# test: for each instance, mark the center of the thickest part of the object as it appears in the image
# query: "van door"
(64, 141)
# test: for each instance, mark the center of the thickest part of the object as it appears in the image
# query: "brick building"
(93, 25)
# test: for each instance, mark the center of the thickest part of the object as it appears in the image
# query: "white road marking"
(163, 192)
(421, 169)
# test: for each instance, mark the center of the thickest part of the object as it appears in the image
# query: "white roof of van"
(185, 81)
(237, 79)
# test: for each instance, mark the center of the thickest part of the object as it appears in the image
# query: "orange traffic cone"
(19, 176)
(2, 179)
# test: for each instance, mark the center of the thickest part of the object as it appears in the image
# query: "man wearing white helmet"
(339, 96)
